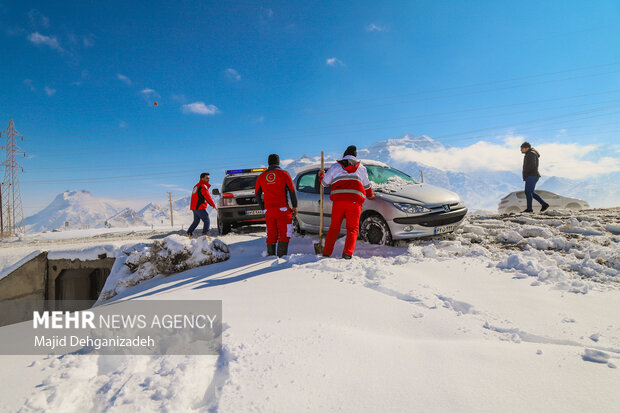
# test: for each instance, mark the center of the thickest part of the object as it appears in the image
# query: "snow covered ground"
(513, 313)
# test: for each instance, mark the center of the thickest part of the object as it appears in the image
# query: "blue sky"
(235, 81)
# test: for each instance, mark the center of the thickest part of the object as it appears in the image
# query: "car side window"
(307, 183)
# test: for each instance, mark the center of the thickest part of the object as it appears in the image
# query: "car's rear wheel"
(223, 228)
(374, 230)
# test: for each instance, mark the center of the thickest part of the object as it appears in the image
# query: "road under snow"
(516, 313)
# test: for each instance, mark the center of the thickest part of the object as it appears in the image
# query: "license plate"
(444, 229)
(254, 212)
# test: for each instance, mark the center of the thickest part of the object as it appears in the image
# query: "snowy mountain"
(481, 190)
(484, 189)
(126, 218)
(72, 210)
(154, 214)
(80, 209)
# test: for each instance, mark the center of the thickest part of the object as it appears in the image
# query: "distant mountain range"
(80, 209)
(480, 190)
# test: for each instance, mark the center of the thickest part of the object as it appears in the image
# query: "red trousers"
(279, 225)
(350, 211)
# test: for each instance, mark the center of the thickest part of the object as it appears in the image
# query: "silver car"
(403, 207)
(515, 202)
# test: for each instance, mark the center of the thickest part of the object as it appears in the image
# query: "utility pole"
(11, 197)
(171, 218)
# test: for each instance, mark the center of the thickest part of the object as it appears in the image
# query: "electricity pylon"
(12, 214)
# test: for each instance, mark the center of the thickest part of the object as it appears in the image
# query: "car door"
(554, 200)
(307, 200)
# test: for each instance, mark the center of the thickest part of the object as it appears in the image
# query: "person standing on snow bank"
(198, 204)
(531, 176)
(350, 187)
(274, 184)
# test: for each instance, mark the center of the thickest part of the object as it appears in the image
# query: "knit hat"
(273, 159)
(351, 150)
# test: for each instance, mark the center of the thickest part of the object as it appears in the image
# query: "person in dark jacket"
(198, 204)
(531, 176)
(273, 188)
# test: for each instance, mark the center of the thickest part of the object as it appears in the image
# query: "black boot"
(271, 249)
(282, 249)
(346, 256)
(544, 208)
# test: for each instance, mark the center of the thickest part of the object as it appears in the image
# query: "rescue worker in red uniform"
(272, 187)
(198, 204)
(350, 187)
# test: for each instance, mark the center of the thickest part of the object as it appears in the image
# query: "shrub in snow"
(171, 255)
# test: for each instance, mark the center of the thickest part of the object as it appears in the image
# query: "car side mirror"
(216, 192)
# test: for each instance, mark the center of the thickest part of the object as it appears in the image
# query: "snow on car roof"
(330, 163)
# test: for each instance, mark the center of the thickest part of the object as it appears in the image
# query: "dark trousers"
(530, 185)
(200, 214)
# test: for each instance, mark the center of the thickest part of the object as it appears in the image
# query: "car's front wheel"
(223, 228)
(374, 230)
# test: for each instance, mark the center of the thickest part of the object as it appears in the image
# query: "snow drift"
(171, 255)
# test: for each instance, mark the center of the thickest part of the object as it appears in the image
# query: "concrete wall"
(28, 282)
(55, 269)
(36, 279)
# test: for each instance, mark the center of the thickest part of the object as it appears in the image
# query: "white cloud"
(147, 91)
(39, 39)
(174, 187)
(566, 160)
(49, 91)
(88, 41)
(375, 28)
(200, 108)
(123, 79)
(37, 19)
(334, 61)
(29, 84)
(232, 74)
(180, 98)
(266, 13)
(14, 31)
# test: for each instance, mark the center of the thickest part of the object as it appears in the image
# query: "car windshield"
(388, 179)
(239, 183)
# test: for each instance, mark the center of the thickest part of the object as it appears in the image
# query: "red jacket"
(274, 183)
(201, 197)
(349, 181)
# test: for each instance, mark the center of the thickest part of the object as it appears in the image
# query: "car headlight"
(228, 201)
(411, 208)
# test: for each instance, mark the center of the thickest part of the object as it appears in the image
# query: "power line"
(224, 140)
(305, 110)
